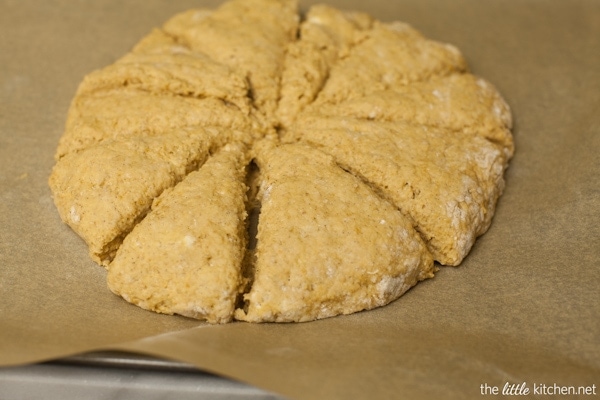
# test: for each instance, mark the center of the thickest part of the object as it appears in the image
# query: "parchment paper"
(523, 307)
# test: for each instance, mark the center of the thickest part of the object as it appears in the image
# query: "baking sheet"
(118, 359)
(59, 381)
(522, 308)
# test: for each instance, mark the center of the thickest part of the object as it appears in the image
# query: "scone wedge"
(327, 244)
(103, 191)
(447, 184)
(186, 256)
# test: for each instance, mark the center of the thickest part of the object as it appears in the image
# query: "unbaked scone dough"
(360, 151)
(448, 184)
(186, 256)
(104, 190)
(327, 244)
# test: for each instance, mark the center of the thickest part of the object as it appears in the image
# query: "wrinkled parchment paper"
(524, 307)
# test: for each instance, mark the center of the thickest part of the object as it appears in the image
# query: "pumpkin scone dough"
(185, 257)
(387, 56)
(362, 151)
(103, 191)
(447, 184)
(326, 36)
(159, 87)
(250, 36)
(460, 103)
(120, 113)
(327, 244)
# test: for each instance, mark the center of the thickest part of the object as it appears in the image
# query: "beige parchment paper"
(523, 307)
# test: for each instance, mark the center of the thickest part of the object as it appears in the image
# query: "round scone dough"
(368, 152)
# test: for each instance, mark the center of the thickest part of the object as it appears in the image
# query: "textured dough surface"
(459, 103)
(103, 191)
(448, 184)
(327, 35)
(185, 257)
(327, 244)
(248, 35)
(372, 150)
(108, 115)
(389, 55)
